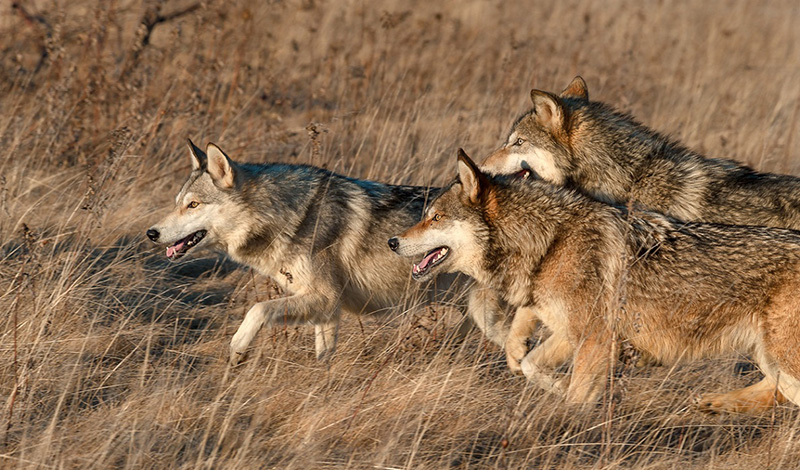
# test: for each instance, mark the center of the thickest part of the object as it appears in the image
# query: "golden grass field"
(111, 357)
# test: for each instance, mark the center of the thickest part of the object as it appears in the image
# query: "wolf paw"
(237, 357)
(515, 353)
(237, 351)
(582, 398)
(717, 403)
(561, 385)
(711, 403)
(514, 365)
(544, 380)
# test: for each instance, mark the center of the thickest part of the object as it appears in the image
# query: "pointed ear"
(470, 176)
(548, 109)
(195, 155)
(220, 167)
(576, 90)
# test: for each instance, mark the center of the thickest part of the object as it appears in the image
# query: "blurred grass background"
(110, 357)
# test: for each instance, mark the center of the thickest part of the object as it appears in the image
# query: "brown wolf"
(569, 140)
(597, 275)
(589, 146)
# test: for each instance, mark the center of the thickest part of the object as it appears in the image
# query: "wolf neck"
(542, 234)
(520, 234)
(611, 153)
(278, 197)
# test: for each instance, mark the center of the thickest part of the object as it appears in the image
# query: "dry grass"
(111, 357)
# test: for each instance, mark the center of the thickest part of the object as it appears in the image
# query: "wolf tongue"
(172, 250)
(427, 259)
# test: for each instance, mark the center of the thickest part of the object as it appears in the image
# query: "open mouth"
(180, 247)
(430, 260)
(524, 174)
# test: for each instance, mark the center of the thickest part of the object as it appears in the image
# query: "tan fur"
(597, 275)
(607, 155)
(576, 89)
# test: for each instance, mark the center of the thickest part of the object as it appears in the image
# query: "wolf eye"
(519, 141)
(193, 204)
(436, 217)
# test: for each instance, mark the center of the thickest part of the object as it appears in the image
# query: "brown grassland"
(112, 357)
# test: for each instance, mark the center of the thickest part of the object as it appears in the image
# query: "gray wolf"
(569, 140)
(319, 235)
(597, 274)
(589, 146)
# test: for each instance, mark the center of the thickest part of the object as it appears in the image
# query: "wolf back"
(597, 274)
(608, 155)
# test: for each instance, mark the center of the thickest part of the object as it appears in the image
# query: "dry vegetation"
(112, 357)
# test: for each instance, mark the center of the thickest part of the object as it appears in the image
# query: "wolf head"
(199, 216)
(538, 143)
(451, 235)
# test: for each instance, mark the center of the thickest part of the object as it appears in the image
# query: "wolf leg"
(777, 355)
(776, 387)
(522, 327)
(590, 368)
(325, 335)
(788, 389)
(485, 309)
(756, 398)
(253, 321)
(286, 310)
(538, 364)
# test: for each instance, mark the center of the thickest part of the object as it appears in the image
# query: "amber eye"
(519, 141)
(436, 217)
(193, 204)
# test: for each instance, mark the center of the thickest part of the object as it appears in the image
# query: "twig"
(152, 16)
(20, 284)
(313, 134)
(12, 399)
(39, 23)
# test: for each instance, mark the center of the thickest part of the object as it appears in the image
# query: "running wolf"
(597, 275)
(319, 235)
(587, 145)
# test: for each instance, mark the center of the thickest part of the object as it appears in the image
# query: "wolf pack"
(585, 225)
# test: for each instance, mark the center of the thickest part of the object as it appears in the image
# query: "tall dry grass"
(112, 357)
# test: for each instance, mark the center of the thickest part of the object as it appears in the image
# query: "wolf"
(568, 140)
(598, 274)
(319, 235)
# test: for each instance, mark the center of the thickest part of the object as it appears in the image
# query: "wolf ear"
(473, 182)
(548, 109)
(220, 167)
(576, 90)
(195, 155)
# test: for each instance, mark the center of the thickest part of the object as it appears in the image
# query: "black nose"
(153, 234)
(394, 243)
